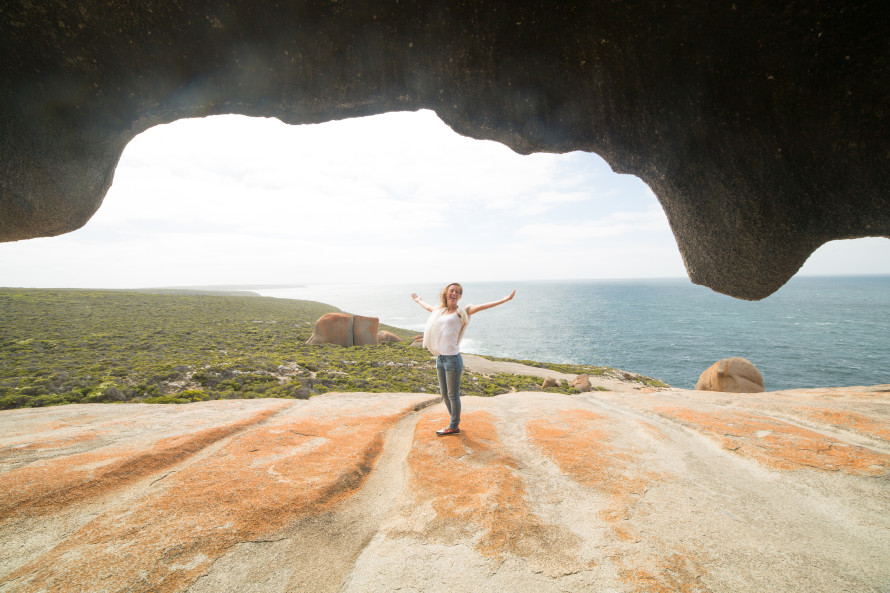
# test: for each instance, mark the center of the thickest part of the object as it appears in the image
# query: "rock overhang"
(763, 133)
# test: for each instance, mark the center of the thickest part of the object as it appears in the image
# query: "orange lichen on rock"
(61, 481)
(265, 479)
(677, 573)
(851, 421)
(582, 444)
(653, 431)
(780, 445)
(48, 444)
(471, 483)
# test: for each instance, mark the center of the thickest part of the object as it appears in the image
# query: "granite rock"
(667, 490)
(735, 375)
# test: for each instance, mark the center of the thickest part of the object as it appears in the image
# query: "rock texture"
(763, 130)
(364, 330)
(345, 329)
(735, 375)
(385, 336)
(581, 383)
(667, 490)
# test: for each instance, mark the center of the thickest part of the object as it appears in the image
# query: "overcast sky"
(392, 198)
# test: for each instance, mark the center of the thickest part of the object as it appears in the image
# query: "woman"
(442, 335)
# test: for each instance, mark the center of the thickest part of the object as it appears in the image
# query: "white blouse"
(444, 331)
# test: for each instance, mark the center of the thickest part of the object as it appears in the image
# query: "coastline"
(815, 332)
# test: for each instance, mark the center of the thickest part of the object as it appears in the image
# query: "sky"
(399, 197)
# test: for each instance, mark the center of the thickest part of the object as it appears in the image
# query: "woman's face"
(453, 294)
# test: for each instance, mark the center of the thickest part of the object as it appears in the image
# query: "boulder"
(344, 329)
(364, 330)
(581, 383)
(733, 375)
(332, 328)
(385, 336)
(550, 382)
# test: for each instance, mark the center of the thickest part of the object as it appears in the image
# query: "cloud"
(616, 227)
(868, 255)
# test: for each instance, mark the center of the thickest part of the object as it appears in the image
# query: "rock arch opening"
(238, 200)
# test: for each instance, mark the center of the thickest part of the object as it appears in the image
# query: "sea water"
(813, 332)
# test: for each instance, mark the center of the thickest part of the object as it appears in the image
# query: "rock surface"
(581, 383)
(385, 336)
(345, 329)
(763, 130)
(550, 382)
(735, 375)
(667, 490)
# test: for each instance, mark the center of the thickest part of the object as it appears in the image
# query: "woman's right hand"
(420, 302)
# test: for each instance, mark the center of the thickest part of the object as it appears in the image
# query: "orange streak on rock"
(677, 573)
(850, 421)
(264, 480)
(471, 483)
(580, 443)
(653, 431)
(779, 445)
(48, 444)
(59, 482)
(583, 446)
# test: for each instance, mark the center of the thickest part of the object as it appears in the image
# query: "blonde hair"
(443, 301)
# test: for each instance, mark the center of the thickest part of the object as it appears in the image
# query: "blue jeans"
(449, 369)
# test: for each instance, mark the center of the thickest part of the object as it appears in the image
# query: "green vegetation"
(82, 346)
(575, 369)
(585, 369)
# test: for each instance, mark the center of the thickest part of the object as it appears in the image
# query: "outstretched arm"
(476, 308)
(420, 302)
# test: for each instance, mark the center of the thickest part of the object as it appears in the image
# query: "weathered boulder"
(385, 336)
(581, 383)
(364, 330)
(332, 328)
(550, 382)
(345, 329)
(734, 375)
(762, 130)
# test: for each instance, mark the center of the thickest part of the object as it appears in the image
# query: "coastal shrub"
(166, 399)
(15, 400)
(569, 369)
(507, 383)
(195, 395)
(112, 393)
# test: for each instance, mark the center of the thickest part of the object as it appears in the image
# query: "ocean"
(813, 332)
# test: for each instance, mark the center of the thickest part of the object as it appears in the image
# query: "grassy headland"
(80, 346)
